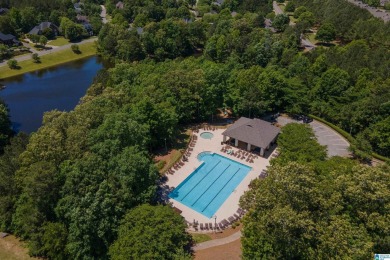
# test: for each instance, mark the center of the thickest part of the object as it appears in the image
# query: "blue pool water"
(207, 135)
(209, 185)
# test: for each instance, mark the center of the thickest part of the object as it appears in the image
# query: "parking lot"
(336, 144)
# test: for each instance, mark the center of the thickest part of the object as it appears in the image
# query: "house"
(219, 2)
(77, 8)
(88, 28)
(119, 5)
(38, 30)
(140, 30)
(82, 18)
(8, 39)
(252, 134)
(3, 11)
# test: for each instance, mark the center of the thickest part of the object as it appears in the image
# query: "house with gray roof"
(8, 39)
(119, 5)
(3, 10)
(251, 134)
(38, 30)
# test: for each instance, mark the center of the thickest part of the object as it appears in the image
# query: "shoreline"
(49, 60)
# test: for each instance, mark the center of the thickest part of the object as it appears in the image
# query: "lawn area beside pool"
(48, 60)
(212, 185)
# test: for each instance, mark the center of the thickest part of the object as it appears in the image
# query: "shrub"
(75, 48)
(12, 64)
(290, 7)
(36, 58)
(160, 164)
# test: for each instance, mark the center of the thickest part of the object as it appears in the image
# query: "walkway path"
(103, 14)
(277, 8)
(44, 52)
(217, 242)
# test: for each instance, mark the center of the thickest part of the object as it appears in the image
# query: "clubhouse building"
(254, 135)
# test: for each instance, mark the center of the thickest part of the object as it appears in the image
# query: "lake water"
(30, 95)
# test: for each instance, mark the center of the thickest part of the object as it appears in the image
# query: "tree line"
(312, 208)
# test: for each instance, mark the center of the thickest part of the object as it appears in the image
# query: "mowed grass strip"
(199, 238)
(59, 41)
(50, 60)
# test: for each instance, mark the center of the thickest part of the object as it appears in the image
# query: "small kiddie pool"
(206, 135)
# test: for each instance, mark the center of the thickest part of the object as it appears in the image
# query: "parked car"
(307, 119)
(297, 117)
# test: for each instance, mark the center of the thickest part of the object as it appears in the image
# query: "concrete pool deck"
(231, 204)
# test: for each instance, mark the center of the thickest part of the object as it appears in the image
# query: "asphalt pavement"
(335, 143)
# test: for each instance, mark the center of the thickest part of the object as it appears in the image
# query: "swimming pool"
(209, 185)
(207, 135)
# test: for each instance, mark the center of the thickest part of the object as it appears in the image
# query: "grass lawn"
(311, 37)
(199, 238)
(59, 41)
(292, 18)
(12, 249)
(282, 6)
(49, 60)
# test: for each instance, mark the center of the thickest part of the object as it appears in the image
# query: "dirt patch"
(165, 157)
(12, 248)
(230, 251)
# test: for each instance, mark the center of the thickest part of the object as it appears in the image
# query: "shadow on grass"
(325, 44)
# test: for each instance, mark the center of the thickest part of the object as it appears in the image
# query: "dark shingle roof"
(254, 131)
(3, 11)
(119, 5)
(42, 26)
(6, 37)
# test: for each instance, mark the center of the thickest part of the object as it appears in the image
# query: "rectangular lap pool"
(207, 187)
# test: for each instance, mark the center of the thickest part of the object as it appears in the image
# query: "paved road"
(336, 144)
(379, 13)
(103, 14)
(217, 242)
(44, 52)
(277, 8)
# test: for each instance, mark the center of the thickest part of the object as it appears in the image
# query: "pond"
(30, 95)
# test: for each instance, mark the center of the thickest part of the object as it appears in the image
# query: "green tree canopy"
(326, 33)
(280, 22)
(150, 232)
(329, 210)
(297, 142)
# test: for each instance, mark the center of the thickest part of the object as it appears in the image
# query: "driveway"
(379, 13)
(336, 144)
(103, 14)
(277, 8)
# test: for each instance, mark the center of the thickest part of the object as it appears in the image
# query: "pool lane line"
(201, 180)
(210, 185)
(221, 190)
